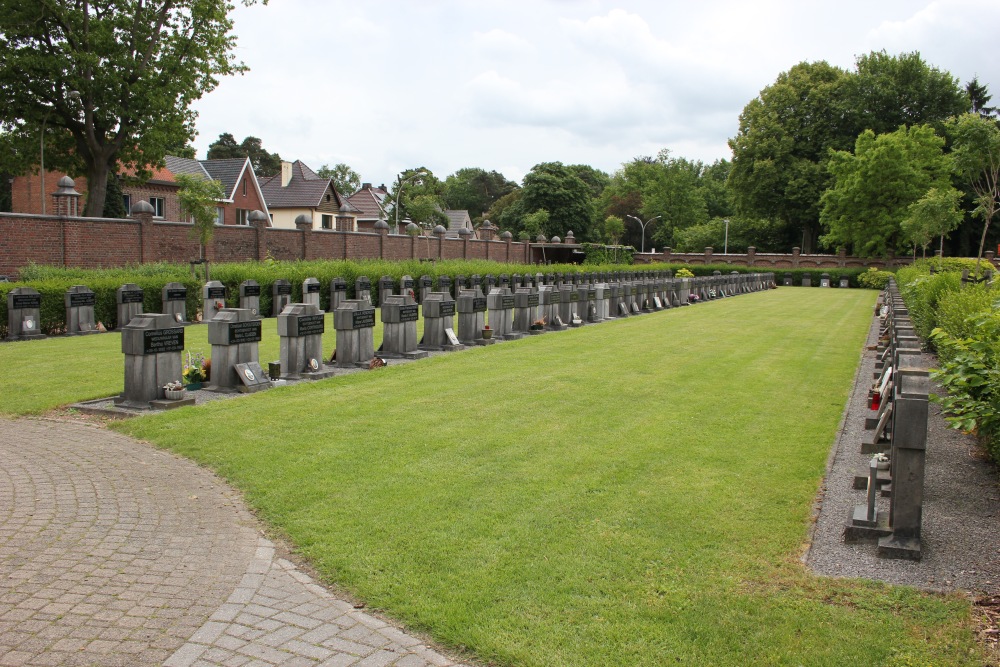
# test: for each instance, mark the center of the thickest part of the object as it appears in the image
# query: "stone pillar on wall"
(465, 234)
(666, 254)
(142, 212)
(66, 200)
(570, 239)
(382, 229)
(841, 257)
(486, 231)
(507, 237)
(440, 232)
(795, 257)
(708, 255)
(258, 219)
(304, 224)
(751, 255)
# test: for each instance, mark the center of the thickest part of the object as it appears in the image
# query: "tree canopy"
(475, 190)
(264, 163)
(976, 155)
(558, 189)
(111, 81)
(346, 181)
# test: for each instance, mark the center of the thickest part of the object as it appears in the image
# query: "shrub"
(874, 279)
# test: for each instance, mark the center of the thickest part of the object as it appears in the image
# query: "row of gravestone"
(24, 303)
(824, 281)
(896, 437)
(152, 343)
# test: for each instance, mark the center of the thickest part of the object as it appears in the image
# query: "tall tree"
(198, 198)
(976, 154)
(934, 215)
(264, 163)
(345, 180)
(979, 97)
(874, 187)
(554, 187)
(783, 143)
(419, 193)
(110, 81)
(475, 190)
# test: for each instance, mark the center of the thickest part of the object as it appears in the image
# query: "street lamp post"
(725, 249)
(399, 190)
(73, 95)
(643, 226)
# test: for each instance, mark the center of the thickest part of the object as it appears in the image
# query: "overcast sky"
(506, 84)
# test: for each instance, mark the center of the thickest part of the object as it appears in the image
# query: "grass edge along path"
(631, 493)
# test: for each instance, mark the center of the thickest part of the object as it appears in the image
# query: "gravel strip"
(960, 531)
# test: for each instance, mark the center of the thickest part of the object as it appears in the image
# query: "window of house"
(127, 201)
(220, 215)
(158, 205)
(241, 216)
(327, 222)
(244, 187)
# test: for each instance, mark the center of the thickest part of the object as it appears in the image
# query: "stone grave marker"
(173, 298)
(399, 327)
(407, 287)
(234, 336)
(426, 286)
(549, 300)
(250, 298)
(213, 299)
(845, 281)
(338, 292)
(824, 280)
(439, 318)
(363, 289)
(80, 301)
(310, 291)
(152, 344)
(128, 300)
(444, 284)
(300, 329)
(281, 296)
(525, 309)
(24, 306)
(386, 285)
(471, 308)
(807, 281)
(354, 322)
(477, 283)
(252, 377)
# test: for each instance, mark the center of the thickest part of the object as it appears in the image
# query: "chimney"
(286, 173)
(366, 186)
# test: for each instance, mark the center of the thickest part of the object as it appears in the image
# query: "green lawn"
(634, 493)
(631, 493)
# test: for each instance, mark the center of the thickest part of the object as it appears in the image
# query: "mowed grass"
(46, 374)
(634, 493)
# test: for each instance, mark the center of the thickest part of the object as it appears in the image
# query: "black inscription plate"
(574, 296)
(507, 301)
(555, 297)
(363, 319)
(244, 332)
(364, 283)
(312, 288)
(447, 308)
(532, 300)
(22, 301)
(409, 313)
(426, 282)
(310, 325)
(163, 340)
(251, 290)
(479, 305)
(216, 293)
(177, 294)
(131, 296)
(79, 299)
(408, 283)
(591, 295)
(282, 289)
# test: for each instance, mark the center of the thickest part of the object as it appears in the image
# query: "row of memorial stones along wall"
(796, 260)
(896, 427)
(621, 290)
(152, 343)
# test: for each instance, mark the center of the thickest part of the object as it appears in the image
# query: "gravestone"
(213, 299)
(439, 318)
(385, 288)
(489, 283)
(444, 284)
(525, 309)
(399, 327)
(80, 302)
(426, 287)
(407, 287)
(128, 300)
(787, 281)
(807, 281)
(602, 302)
(549, 300)
(587, 302)
(477, 284)
(684, 292)
(569, 304)
(824, 280)
(300, 329)
(233, 334)
(338, 292)
(615, 300)
(515, 282)
(471, 308)
(845, 281)
(173, 298)
(310, 291)
(152, 344)
(281, 296)
(461, 283)
(24, 306)
(354, 322)
(363, 289)
(250, 298)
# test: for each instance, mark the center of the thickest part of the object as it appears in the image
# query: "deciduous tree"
(475, 190)
(264, 163)
(346, 181)
(556, 188)
(976, 154)
(199, 198)
(111, 81)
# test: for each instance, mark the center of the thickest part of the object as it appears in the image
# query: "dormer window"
(328, 197)
(244, 187)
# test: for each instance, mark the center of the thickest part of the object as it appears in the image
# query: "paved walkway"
(115, 553)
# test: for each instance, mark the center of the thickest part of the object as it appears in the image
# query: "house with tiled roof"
(239, 183)
(297, 190)
(370, 203)
(457, 220)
